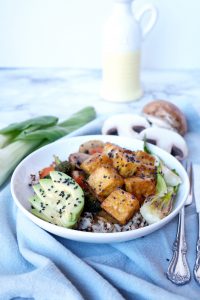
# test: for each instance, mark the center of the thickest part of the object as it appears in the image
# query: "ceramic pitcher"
(122, 41)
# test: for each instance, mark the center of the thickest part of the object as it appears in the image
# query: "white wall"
(59, 33)
(51, 32)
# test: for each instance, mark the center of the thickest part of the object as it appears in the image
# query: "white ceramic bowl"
(44, 156)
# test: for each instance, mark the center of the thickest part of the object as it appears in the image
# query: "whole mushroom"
(166, 139)
(129, 125)
(160, 111)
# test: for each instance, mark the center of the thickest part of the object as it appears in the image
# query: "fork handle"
(178, 270)
(197, 263)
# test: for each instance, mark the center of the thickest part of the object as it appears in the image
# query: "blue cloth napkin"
(35, 264)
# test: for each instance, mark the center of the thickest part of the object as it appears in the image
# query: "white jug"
(122, 38)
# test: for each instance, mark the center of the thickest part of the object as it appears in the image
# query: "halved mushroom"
(91, 146)
(168, 112)
(125, 125)
(76, 159)
(158, 122)
(166, 139)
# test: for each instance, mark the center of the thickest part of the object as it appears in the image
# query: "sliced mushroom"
(76, 159)
(125, 125)
(93, 144)
(158, 122)
(168, 140)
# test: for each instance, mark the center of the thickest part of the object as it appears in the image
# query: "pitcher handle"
(152, 18)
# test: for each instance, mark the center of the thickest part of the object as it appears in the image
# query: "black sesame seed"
(62, 194)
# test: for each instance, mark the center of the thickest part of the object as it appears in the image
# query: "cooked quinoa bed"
(91, 223)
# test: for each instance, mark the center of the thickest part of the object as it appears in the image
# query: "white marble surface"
(26, 93)
(29, 92)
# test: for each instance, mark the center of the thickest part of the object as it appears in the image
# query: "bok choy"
(19, 139)
(158, 206)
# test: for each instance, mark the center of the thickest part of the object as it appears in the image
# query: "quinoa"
(34, 179)
(93, 223)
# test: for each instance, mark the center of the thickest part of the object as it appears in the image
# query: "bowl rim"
(62, 231)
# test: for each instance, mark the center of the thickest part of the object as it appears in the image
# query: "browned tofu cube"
(145, 158)
(95, 161)
(146, 171)
(121, 205)
(123, 160)
(110, 149)
(140, 187)
(128, 162)
(104, 180)
(125, 163)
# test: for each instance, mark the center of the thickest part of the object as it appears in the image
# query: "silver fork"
(178, 270)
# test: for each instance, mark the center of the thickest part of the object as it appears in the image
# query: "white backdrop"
(67, 33)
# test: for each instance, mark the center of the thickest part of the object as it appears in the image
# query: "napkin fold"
(35, 264)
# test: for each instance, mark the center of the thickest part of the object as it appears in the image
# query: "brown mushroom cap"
(169, 112)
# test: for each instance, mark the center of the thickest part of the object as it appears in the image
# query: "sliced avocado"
(36, 213)
(49, 188)
(41, 194)
(44, 211)
(61, 199)
(65, 183)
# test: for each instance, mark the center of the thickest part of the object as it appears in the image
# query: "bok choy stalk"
(51, 134)
(9, 133)
(157, 207)
(34, 133)
(12, 154)
(160, 205)
(5, 139)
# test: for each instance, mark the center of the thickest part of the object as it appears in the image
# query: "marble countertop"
(27, 93)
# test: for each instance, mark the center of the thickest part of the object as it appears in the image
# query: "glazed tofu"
(123, 160)
(140, 187)
(121, 205)
(104, 180)
(95, 161)
(144, 158)
(146, 171)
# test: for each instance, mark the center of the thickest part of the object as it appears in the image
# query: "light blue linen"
(35, 264)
